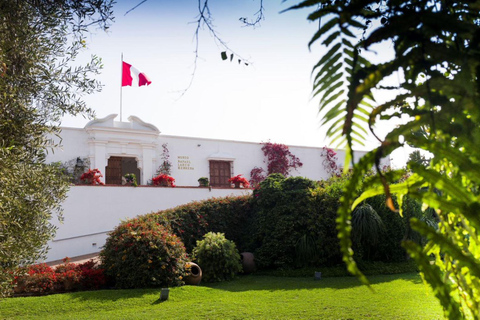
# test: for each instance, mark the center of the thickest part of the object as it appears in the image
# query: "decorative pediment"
(134, 124)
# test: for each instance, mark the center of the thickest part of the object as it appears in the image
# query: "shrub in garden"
(141, 253)
(284, 214)
(42, 279)
(229, 215)
(295, 224)
(217, 257)
(93, 276)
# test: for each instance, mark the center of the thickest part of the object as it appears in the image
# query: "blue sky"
(270, 99)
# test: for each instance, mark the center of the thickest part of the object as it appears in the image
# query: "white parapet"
(90, 212)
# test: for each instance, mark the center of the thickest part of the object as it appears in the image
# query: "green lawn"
(401, 296)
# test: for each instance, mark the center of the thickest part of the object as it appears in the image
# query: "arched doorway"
(118, 167)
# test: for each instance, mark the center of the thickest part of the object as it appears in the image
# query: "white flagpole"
(121, 86)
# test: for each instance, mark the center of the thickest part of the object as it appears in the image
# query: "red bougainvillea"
(257, 175)
(279, 159)
(330, 162)
(92, 176)
(164, 180)
(238, 179)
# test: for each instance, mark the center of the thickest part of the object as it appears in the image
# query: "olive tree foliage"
(436, 67)
(39, 83)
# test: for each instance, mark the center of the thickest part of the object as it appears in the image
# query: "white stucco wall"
(90, 212)
(74, 143)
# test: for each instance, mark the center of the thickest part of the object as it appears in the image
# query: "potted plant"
(239, 180)
(203, 182)
(130, 179)
(92, 177)
(164, 180)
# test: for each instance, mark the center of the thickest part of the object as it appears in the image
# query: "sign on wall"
(184, 163)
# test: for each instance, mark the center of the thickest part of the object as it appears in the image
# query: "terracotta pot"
(248, 262)
(195, 274)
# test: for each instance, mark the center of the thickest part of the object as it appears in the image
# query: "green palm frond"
(367, 226)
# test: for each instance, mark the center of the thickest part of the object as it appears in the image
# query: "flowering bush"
(92, 176)
(217, 257)
(164, 180)
(330, 162)
(143, 253)
(93, 277)
(257, 175)
(279, 158)
(238, 179)
(42, 279)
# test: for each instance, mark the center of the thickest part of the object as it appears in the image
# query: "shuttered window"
(220, 172)
(113, 174)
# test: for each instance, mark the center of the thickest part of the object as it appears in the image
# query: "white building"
(117, 148)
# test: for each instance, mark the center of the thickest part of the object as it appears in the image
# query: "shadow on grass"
(247, 283)
(253, 282)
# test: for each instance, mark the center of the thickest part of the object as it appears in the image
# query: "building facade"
(117, 148)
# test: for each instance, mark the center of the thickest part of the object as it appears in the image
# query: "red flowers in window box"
(164, 181)
(239, 180)
(92, 176)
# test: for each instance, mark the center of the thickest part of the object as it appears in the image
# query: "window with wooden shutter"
(119, 166)
(113, 172)
(220, 172)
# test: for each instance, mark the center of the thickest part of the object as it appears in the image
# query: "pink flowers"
(279, 158)
(330, 162)
(164, 181)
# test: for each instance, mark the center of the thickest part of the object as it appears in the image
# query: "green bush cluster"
(295, 225)
(229, 215)
(217, 257)
(142, 253)
(283, 211)
(287, 223)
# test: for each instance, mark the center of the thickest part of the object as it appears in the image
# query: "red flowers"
(92, 176)
(330, 162)
(41, 279)
(280, 159)
(164, 181)
(237, 180)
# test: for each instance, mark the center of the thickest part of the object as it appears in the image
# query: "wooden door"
(113, 172)
(220, 173)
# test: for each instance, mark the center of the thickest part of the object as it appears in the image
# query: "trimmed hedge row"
(295, 225)
(230, 215)
(287, 223)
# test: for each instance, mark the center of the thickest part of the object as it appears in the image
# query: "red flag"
(132, 77)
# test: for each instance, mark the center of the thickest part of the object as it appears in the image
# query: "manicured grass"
(401, 296)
